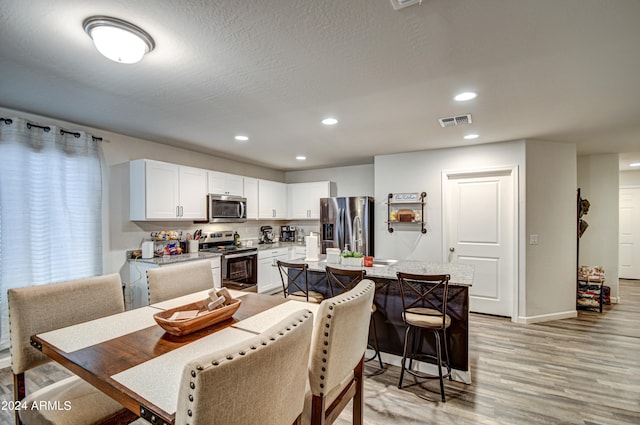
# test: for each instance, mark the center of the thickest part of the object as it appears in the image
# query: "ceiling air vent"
(454, 121)
(401, 4)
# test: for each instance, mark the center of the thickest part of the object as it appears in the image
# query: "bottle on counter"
(236, 239)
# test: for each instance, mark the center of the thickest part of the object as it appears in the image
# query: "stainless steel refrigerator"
(347, 222)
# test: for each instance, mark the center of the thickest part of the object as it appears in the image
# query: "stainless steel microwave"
(226, 208)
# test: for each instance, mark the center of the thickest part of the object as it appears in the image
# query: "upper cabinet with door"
(251, 194)
(225, 184)
(162, 191)
(304, 199)
(272, 200)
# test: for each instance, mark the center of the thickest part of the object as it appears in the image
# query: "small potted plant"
(352, 258)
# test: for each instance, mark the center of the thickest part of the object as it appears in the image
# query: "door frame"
(628, 186)
(509, 170)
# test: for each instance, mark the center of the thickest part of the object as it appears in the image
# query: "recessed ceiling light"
(301, 157)
(464, 96)
(329, 121)
(118, 40)
(471, 136)
(241, 138)
(634, 164)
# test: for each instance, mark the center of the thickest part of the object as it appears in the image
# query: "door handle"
(452, 249)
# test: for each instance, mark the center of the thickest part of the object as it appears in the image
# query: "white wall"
(547, 184)
(422, 172)
(630, 178)
(357, 180)
(550, 290)
(598, 178)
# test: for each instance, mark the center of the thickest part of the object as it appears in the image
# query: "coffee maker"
(267, 234)
(288, 233)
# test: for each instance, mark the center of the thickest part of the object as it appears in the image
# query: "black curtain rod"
(46, 129)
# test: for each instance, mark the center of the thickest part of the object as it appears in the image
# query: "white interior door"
(479, 212)
(630, 233)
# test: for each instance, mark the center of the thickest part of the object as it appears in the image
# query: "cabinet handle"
(177, 210)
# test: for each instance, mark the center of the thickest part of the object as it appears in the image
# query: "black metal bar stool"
(295, 284)
(350, 278)
(424, 306)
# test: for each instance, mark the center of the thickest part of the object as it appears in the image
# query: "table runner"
(158, 380)
(262, 321)
(96, 331)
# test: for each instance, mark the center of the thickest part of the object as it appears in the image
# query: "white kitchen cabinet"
(251, 194)
(268, 275)
(225, 184)
(272, 200)
(136, 292)
(164, 191)
(304, 199)
(216, 270)
(193, 193)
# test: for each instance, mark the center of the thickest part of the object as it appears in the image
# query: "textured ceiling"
(562, 71)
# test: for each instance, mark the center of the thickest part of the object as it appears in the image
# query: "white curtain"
(50, 207)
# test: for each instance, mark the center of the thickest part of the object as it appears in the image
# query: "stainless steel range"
(239, 264)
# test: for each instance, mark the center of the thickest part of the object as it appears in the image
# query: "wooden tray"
(208, 318)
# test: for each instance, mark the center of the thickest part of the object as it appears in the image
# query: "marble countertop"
(172, 259)
(461, 274)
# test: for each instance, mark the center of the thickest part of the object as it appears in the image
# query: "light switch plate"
(533, 239)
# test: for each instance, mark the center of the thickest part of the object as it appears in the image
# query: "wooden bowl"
(204, 319)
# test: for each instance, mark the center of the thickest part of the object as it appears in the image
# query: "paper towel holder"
(312, 247)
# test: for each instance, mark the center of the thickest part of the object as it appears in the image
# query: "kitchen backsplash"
(248, 231)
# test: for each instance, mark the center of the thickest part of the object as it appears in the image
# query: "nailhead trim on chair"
(326, 334)
(192, 384)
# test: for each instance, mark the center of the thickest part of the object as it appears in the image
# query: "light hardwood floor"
(575, 371)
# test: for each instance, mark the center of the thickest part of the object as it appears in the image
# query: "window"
(50, 207)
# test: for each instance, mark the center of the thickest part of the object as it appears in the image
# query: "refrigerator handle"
(357, 233)
(340, 229)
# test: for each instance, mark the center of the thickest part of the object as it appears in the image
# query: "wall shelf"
(406, 209)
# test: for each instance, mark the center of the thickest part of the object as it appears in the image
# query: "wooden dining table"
(129, 357)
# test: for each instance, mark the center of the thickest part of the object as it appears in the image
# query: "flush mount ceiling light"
(463, 97)
(471, 136)
(241, 138)
(301, 157)
(118, 40)
(634, 164)
(329, 121)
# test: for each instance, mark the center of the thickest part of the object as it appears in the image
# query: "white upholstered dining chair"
(38, 309)
(258, 381)
(180, 279)
(336, 361)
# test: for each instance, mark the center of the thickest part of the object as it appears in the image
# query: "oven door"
(240, 271)
(227, 209)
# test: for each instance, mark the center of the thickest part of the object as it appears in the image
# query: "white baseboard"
(548, 317)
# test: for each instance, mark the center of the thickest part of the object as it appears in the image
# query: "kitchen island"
(388, 318)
